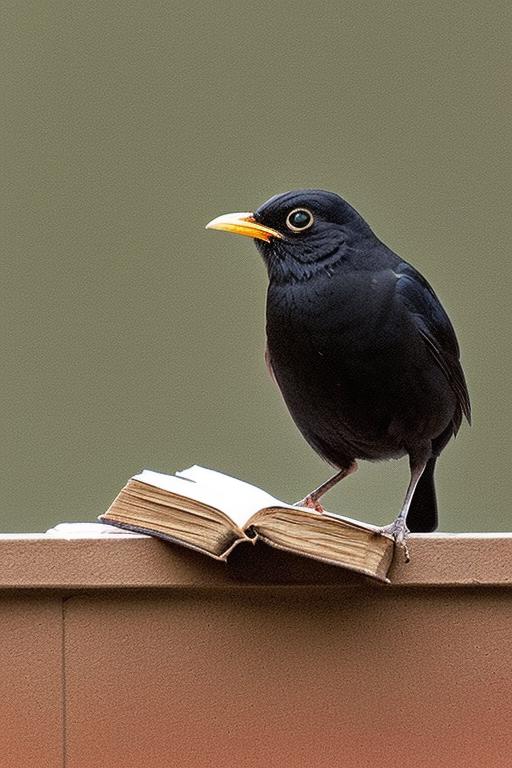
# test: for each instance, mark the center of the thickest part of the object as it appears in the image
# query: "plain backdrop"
(130, 336)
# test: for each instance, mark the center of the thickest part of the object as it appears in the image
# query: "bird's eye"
(299, 219)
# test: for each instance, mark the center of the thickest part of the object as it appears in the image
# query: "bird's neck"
(283, 269)
(326, 261)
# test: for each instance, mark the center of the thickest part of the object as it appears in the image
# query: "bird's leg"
(398, 528)
(312, 499)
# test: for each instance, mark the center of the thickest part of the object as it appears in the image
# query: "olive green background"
(130, 336)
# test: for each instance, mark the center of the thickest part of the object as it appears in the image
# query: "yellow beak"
(243, 224)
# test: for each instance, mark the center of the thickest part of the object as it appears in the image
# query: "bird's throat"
(286, 264)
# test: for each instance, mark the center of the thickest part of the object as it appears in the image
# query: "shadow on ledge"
(260, 563)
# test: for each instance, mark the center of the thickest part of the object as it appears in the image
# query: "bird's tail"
(422, 516)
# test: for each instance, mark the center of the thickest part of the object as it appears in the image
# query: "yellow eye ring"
(299, 220)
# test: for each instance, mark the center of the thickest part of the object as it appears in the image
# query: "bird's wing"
(435, 329)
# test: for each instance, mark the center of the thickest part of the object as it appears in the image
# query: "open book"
(212, 513)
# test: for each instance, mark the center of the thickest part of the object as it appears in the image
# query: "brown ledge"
(201, 668)
(42, 561)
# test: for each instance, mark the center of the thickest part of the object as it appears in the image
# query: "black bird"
(364, 354)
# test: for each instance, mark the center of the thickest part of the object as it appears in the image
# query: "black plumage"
(364, 354)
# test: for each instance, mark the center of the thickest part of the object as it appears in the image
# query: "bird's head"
(299, 233)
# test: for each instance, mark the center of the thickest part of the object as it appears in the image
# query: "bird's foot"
(399, 531)
(310, 502)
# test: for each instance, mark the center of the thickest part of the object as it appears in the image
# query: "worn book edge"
(174, 540)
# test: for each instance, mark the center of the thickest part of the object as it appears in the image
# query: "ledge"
(76, 557)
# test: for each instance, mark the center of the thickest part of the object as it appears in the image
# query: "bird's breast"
(348, 316)
(351, 368)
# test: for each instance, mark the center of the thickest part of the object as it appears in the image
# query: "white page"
(238, 500)
(87, 531)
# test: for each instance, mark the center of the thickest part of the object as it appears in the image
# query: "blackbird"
(364, 354)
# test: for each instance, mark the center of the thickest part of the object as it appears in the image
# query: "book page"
(85, 531)
(237, 499)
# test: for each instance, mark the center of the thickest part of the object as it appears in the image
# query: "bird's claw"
(399, 531)
(310, 503)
